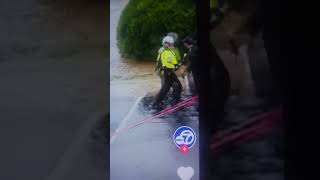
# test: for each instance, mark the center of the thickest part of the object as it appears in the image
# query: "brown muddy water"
(128, 77)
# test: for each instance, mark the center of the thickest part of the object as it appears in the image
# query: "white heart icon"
(185, 173)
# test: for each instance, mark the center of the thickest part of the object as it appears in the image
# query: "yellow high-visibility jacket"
(169, 59)
(175, 50)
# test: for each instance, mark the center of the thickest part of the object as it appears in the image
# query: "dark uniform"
(219, 84)
(192, 59)
(169, 63)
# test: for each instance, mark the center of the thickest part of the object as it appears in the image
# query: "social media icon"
(184, 138)
(184, 149)
(185, 173)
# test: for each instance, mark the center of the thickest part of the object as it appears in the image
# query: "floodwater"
(128, 77)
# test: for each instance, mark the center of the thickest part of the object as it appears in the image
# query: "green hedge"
(144, 23)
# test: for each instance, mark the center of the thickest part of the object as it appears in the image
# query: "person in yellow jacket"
(176, 51)
(169, 64)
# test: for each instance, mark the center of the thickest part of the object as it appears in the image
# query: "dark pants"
(219, 86)
(169, 79)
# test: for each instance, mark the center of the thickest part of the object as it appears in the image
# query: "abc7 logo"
(186, 137)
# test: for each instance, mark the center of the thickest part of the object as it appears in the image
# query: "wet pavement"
(260, 158)
(119, 109)
(54, 88)
(148, 151)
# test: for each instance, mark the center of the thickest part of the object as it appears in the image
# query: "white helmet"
(167, 39)
(173, 35)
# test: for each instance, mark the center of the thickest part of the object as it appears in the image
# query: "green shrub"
(144, 23)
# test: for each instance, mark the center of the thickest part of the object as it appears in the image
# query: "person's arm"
(190, 56)
(159, 53)
(158, 63)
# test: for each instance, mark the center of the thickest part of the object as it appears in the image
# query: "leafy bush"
(144, 23)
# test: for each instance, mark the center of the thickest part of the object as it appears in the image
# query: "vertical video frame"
(154, 111)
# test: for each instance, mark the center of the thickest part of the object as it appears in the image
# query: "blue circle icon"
(184, 135)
